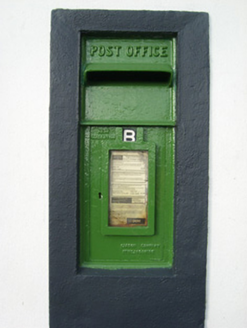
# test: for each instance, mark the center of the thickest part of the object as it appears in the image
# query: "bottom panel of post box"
(126, 197)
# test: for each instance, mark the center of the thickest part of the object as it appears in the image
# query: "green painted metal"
(126, 50)
(125, 251)
(128, 123)
(108, 105)
(137, 67)
(130, 95)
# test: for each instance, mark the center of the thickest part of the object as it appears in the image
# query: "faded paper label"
(128, 188)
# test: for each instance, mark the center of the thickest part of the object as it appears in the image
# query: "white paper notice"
(128, 188)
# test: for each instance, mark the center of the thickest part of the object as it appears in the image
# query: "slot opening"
(128, 77)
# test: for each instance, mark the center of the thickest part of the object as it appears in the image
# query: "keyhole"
(100, 196)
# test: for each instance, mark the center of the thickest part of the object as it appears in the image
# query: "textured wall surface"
(24, 65)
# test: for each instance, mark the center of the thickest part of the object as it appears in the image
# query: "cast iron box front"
(127, 152)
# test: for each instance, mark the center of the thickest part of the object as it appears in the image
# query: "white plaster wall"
(24, 103)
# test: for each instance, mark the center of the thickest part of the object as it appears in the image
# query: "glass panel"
(128, 197)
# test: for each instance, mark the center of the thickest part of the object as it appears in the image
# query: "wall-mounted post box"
(127, 143)
(128, 204)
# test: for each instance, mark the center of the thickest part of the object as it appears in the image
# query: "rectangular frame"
(150, 297)
(120, 145)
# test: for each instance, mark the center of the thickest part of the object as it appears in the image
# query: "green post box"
(127, 147)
